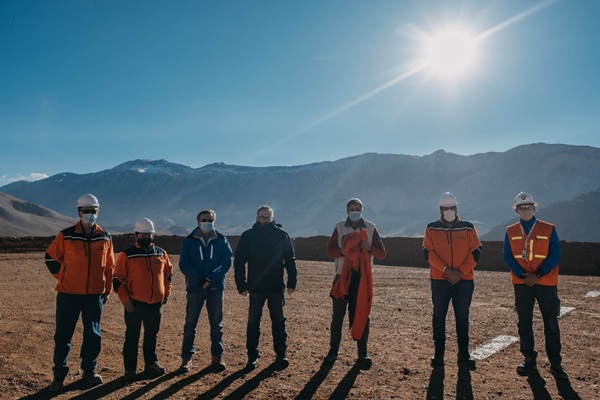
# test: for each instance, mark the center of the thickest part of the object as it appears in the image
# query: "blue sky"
(87, 85)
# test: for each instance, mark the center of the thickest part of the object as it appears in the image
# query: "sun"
(450, 53)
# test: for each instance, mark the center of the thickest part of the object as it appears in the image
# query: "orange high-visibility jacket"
(81, 264)
(143, 275)
(537, 251)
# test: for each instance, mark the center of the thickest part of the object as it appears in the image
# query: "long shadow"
(538, 386)
(151, 385)
(464, 390)
(345, 385)
(221, 386)
(435, 390)
(565, 390)
(311, 387)
(253, 383)
(79, 385)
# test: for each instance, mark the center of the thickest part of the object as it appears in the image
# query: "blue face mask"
(89, 219)
(355, 215)
(207, 226)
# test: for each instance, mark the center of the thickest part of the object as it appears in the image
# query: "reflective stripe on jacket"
(537, 250)
(81, 264)
(143, 274)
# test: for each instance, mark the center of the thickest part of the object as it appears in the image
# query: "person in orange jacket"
(81, 258)
(142, 280)
(452, 248)
(532, 252)
(364, 238)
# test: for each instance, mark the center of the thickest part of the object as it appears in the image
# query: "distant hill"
(576, 220)
(22, 218)
(400, 192)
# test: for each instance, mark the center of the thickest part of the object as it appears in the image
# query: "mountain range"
(400, 192)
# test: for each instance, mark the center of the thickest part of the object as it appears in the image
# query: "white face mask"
(526, 215)
(355, 216)
(449, 215)
(207, 226)
(89, 219)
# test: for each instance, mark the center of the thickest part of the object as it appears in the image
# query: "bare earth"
(400, 343)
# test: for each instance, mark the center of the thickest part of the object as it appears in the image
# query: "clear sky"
(86, 85)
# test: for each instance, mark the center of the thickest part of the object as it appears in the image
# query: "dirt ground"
(400, 343)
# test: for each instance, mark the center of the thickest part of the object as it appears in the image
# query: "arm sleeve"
(110, 268)
(224, 262)
(378, 249)
(239, 264)
(509, 259)
(185, 261)
(168, 276)
(554, 253)
(290, 264)
(333, 249)
(54, 255)
(120, 277)
(429, 250)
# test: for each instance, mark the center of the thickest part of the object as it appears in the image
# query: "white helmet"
(447, 199)
(87, 200)
(522, 199)
(144, 225)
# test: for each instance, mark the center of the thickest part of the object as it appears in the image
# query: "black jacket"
(267, 249)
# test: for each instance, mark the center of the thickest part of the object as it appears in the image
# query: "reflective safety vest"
(531, 250)
(343, 230)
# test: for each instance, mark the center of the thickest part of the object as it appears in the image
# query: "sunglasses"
(88, 211)
(525, 208)
(207, 220)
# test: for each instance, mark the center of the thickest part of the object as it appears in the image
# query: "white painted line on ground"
(593, 293)
(495, 345)
(564, 310)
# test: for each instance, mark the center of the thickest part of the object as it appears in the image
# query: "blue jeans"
(275, 302)
(68, 308)
(549, 303)
(461, 294)
(149, 315)
(214, 308)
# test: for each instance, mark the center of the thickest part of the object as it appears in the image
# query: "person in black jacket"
(268, 250)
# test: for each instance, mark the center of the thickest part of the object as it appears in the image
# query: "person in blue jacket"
(205, 259)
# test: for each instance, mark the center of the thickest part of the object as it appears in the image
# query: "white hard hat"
(144, 225)
(87, 200)
(447, 199)
(522, 199)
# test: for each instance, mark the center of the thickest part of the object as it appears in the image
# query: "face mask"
(449, 215)
(89, 219)
(525, 215)
(207, 226)
(355, 216)
(144, 242)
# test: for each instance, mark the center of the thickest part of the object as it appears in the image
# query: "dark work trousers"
(337, 321)
(68, 308)
(275, 302)
(549, 303)
(149, 315)
(461, 293)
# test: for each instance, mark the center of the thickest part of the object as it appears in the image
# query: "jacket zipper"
(89, 251)
(151, 277)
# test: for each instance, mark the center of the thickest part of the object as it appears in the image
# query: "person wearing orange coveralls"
(142, 280)
(452, 248)
(363, 238)
(81, 258)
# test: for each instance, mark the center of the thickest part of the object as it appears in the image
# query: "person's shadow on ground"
(565, 390)
(464, 390)
(435, 390)
(538, 386)
(252, 383)
(311, 387)
(79, 385)
(345, 385)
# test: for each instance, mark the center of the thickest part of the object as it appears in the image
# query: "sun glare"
(450, 53)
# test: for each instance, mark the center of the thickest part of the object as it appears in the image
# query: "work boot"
(464, 359)
(56, 385)
(155, 369)
(130, 375)
(251, 364)
(185, 366)
(365, 361)
(331, 356)
(92, 377)
(529, 364)
(438, 359)
(558, 372)
(218, 364)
